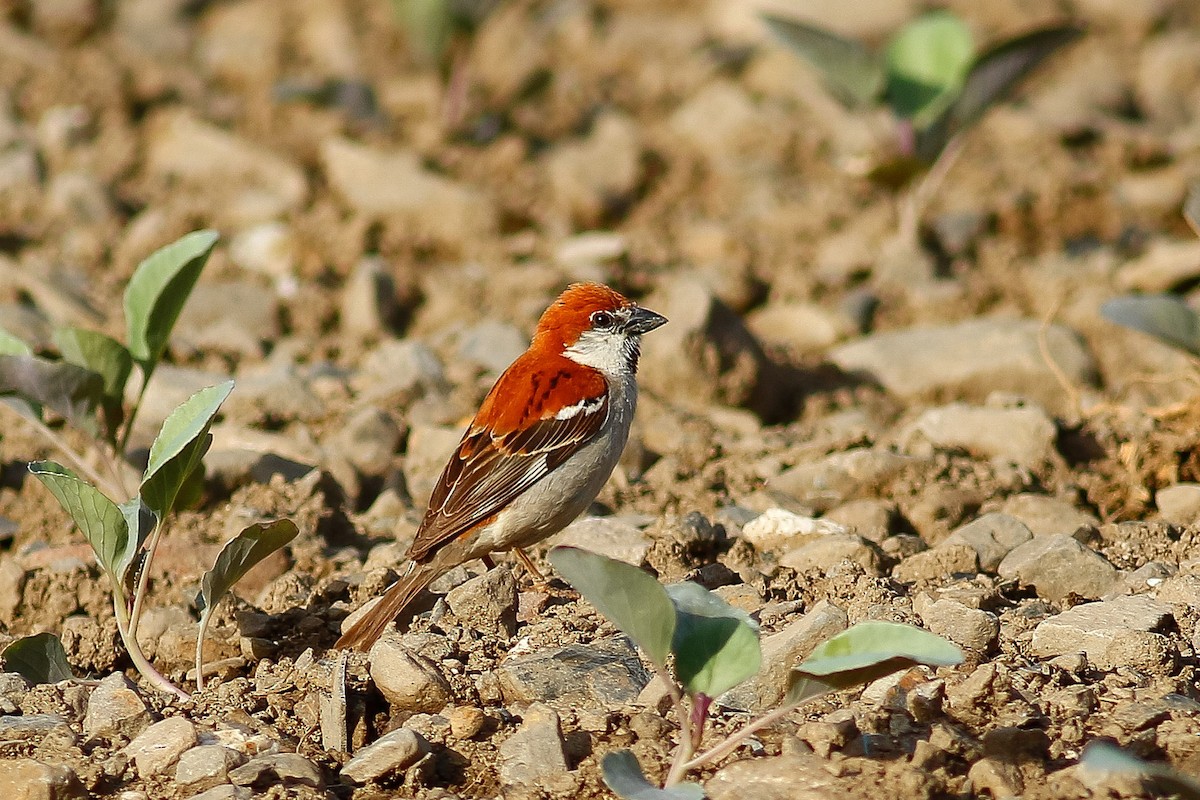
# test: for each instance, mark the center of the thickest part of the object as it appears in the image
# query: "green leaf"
(12, 346)
(106, 357)
(992, 77)
(1102, 757)
(866, 652)
(102, 522)
(73, 392)
(1165, 317)
(926, 64)
(631, 599)
(851, 72)
(623, 775)
(157, 291)
(39, 658)
(240, 554)
(179, 447)
(716, 645)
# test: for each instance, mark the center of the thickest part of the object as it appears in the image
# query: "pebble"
(588, 176)
(834, 479)
(606, 673)
(1043, 514)
(781, 651)
(206, 766)
(237, 317)
(999, 778)
(1058, 566)
(487, 602)
(714, 119)
(991, 536)
(795, 776)
(115, 708)
(394, 185)
(289, 769)
(491, 345)
(608, 536)
(409, 681)
(799, 327)
(1094, 629)
(967, 627)
(776, 526)
(26, 779)
(1180, 503)
(534, 755)
(369, 439)
(428, 448)
(13, 688)
(1024, 436)
(871, 518)
(1164, 265)
(224, 792)
(825, 552)
(32, 726)
(971, 360)
(936, 565)
(157, 748)
(391, 753)
(268, 249)
(368, 306)
(398, 371)
(466, 722)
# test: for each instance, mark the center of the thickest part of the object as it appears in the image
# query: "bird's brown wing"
(489, 470)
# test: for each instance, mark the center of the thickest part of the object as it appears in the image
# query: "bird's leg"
(539, 580)
(487, 561)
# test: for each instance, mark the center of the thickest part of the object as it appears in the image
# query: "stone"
(781, 651)
(603, 674)
(466, 722)
(1043, 514)
(1024, 436)
(491, 345)
(246, 183)
(609, 536)
(157, 748)
(65, 21)
(824, 552)
(428, 449)
(533, 755)
(398, 372)
(795, 776)
(1057, 566)
(388, 755)
(998, 778)
(799, 327)
(776, 527)
(830, 481)
(487, 602)
(369, 440)
(369, 306)
(224, 792)
(971, 628)
(267, 248)
(393, 184)
(206, 766)
(240, 42)
(1165, 264)
(115, 708)
(409, 681)
(714, 119)
(33, 726)
(588, 177)
(871, 518)
(937, 564)
(289, 769)
(1094, 629)
(1180, 503)
(991, 536)
(970, 360)
(26, 779)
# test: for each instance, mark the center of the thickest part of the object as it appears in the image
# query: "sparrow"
(538, 451)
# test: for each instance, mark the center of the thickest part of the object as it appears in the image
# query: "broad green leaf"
(1165, 317)
(716, 646)
(12, 346)
(1160, 779)
(240, 554)
(926, 63)
(624, 776)
(850, 71)
(73, 392)
(39, 658)
(157, 291)
(631, 599)
(991, 78)
(99, 353)
(237, 557)
(864, 653)
(102, 522)
(179, 447)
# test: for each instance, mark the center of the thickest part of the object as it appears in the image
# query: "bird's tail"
(365, 631)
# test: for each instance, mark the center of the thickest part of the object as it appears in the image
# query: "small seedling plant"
(1166, 317)
(701, 647)
(86, 387)
(930, 77)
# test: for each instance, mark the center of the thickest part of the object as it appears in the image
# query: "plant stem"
(733, 741)
(66, 450)
(915, 201)
(144, 578)
(200, 648)
(685, 749)
(147, 371)
(136, 655)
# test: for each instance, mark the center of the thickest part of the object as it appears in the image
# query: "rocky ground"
(991, 459)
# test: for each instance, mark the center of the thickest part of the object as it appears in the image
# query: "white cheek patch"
(587, 406)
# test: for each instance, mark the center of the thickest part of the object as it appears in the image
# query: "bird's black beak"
(643, 320)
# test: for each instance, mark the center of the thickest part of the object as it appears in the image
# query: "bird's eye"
(602, 319)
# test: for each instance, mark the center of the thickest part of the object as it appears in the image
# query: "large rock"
(409, 681)
(796, 776)
(27, 779)
(608, 536)
(604, 674)
(487, 602)
(1058, 566)
(115, 708)
(1024, 436)
(157, 748)
(1100, 631)
(970, 360)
